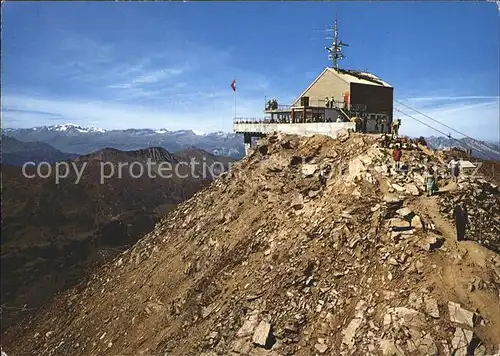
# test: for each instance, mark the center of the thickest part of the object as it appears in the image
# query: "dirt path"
(468, 262)
(428, 207)
(459, 265)
(450, 186)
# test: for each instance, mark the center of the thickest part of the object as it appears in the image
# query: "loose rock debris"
(482, 200)
(268, 261)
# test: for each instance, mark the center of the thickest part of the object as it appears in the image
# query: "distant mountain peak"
(84, 140)
(74, 127)
(162, 131)
(480, 149)
(17, 153)
(108, 154)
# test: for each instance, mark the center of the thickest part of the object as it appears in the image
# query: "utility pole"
(335, 50)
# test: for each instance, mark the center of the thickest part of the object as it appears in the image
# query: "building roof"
(355, 76)
(350, 76)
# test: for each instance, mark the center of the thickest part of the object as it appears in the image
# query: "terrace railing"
(280, 108)
(252, 120)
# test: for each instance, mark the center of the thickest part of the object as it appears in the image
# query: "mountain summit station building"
(337, 99)
(326, 107)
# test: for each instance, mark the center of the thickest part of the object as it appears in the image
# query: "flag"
(233, 85)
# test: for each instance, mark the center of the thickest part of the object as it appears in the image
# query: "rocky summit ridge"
(267, 261)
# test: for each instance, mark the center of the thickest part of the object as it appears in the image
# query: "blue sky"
(170, 65)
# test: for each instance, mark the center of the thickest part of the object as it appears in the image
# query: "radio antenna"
(335, 50)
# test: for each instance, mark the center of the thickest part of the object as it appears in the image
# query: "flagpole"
(233, 86)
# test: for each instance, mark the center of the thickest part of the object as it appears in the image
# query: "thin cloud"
(207, 116)
(29, 112)
(152, 84)
(151, 77)
(158, 75)
(120, 86)
(145, 78)
(448, 98)
(477, 120)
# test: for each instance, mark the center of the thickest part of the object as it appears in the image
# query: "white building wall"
(328, 85)
(318, 128)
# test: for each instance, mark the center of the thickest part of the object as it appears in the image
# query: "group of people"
(380, 124)
(330, 102)
(460, 210)
(360, 121)
(393, 129)
(272, 104)
(453, 165)
(278, 120)
(430, 179)
(318, 118)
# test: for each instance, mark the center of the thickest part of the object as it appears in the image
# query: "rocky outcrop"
(482, 200)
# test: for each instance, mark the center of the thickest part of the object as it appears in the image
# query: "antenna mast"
(335, 50)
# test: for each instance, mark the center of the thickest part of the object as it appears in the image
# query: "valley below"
(55, 234)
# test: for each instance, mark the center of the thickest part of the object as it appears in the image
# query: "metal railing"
(316, 103)
(268, 120)
(280, 108)
(253, 120)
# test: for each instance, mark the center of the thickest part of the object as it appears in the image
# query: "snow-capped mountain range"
(83, 140)
(480, 149)
(73, 128)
